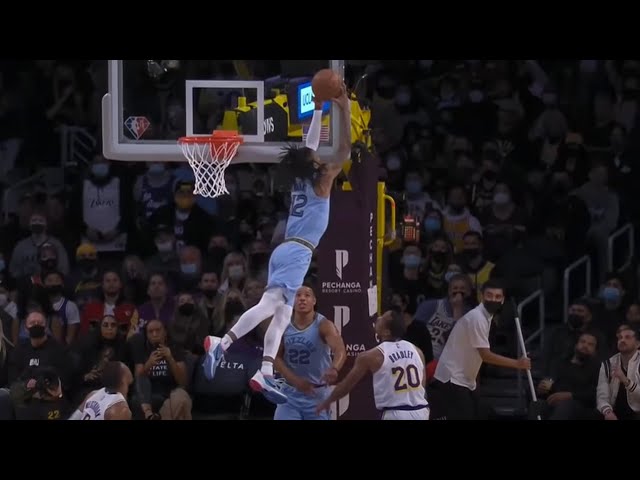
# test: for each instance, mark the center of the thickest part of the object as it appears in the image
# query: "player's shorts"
(288, 265)
(401, 414)
(302, 407)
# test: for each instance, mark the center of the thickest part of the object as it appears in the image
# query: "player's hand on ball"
(330, 376)
(343, 100)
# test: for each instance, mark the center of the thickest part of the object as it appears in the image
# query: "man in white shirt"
(451, 395)
(618, 395)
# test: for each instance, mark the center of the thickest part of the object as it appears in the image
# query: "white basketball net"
(209, 160)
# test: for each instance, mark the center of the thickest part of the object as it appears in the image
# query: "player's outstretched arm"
(369, 361)
(331, 337)
(333, 165)
(499, 361)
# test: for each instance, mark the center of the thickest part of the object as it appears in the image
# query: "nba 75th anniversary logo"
(344, 278)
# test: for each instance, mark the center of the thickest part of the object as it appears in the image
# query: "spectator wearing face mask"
(234, 272)
(85, 280)
(618, 392)
(165, 259)
(458, 219)
(216, 252)
(103, 203)
(191, 224)
(613, 307)
(231, 308)
(41, 350)
(190, 326)
(563, 338)
(25, 259)
(190, 269)
(473, 262)
(66, 317)
(104, 344)
(439, 256)
(409, 277)
(440, 315)
(432, 225)
(211, 301)
(604, 209)
(417, 201)
(152, 191)
(503, 223)
(483, 190)
(570, 390)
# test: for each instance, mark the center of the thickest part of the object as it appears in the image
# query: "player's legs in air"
(288, 265)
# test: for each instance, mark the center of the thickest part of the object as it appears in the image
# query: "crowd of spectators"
(512, 168)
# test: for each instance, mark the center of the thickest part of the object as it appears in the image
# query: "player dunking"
(398, 373)
(311, 180)
(305, 362)
(110, 402)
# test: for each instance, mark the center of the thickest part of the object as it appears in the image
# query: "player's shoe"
(213, 347)
(269, 387)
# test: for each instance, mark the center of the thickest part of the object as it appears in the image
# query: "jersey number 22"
(298, 203)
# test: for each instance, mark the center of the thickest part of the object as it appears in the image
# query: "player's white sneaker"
(213, 347)
(269, 387)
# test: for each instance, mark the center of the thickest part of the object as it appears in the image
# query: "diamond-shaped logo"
(137, 126)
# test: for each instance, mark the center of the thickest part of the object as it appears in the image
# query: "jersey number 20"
(406, 378)
(298, 203)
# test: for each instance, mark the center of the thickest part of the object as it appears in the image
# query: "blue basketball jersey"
(308, 215)
(305, 353)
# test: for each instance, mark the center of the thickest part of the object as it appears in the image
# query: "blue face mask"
(432, 225)
(188, 268)
(100, 170)
(449, 275)
(411, 261)
(413, 186)
(611, 294)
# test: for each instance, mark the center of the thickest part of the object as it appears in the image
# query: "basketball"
(326, 84)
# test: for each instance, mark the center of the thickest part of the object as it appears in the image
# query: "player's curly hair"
(296, 162)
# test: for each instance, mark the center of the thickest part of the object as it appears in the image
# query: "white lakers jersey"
(97, 404)
(399, 382)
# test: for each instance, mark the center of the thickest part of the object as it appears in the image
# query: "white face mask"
(236, 272)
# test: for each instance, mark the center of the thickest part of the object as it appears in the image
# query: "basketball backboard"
(152, 103)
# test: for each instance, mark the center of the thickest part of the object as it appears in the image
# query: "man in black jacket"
(571, 389)
(41, 351)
